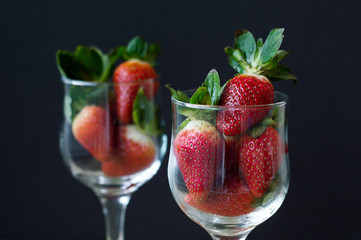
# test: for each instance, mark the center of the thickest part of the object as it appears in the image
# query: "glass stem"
(114, 208)
(238, 237)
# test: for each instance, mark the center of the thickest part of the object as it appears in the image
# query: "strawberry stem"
(250, 57)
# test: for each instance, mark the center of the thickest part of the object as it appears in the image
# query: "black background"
(40, 200)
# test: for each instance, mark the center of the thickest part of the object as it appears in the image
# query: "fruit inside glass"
(112, 156)
(229, 184)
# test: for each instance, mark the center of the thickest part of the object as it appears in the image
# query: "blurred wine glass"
(112, 157)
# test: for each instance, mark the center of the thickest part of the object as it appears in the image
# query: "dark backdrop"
(40, 200)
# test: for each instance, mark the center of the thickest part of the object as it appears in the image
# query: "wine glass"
(229, 184)
(112, 157)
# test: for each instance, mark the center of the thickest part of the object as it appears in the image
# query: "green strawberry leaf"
(136, 48)
(109, 62)
(78, 97)
(281, 54)
(233, 62)
(273, 63)
(237, 59)
(152, 53)
(271, 192)
(178, 95)
(213, 85)
(64, 60)
(209, 93)
(275, 119)
(201, 96)
(272, 44)
(69, 67)
(245, 41)
(257, 130)
(284, 77)
(249, 56)
(278, 117)
(146, 115)
(183, 124)
(87, 63)
(221, 90)
(280, 72)
(92, 60)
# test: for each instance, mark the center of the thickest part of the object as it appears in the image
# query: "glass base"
(107, 186)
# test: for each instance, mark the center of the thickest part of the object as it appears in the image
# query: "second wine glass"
(112, 140)
(229, 184)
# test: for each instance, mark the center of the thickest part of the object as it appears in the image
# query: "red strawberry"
(199, 148)
(234, 199)
(93, 128)
(260, 158)
(244, 90)
(134, 73)
(131, 73)
(134, 152)
(257, 65)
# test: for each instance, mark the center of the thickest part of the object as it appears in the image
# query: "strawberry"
(93, 129)
(234, 199)
(198, 148)
(244, 90)
(257, 65)
(259, 159)
(130, 75)
(134, 152)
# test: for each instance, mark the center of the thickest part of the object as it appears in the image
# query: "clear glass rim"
(282, 102)
(84, 83)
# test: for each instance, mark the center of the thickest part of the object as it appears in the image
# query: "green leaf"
(213, 85)
(178, 95)
(136, 48)
(209, 93)
(146, 115)
(272, 64)
(284, 77)
(64, 60)
(201, 96)
(278, 116)
(257, 130)
(272, 44)
(198, 114)
(245, 41)
(280, 72)
(153, 52)
(281, 54)
(183, 124)
(92, 60)
(233, 62)
(270, 193)
(70, 67)
(239, 56)
(221, 90)
(235, 65)
(86, 63)
(78, 97)
(109, 62)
